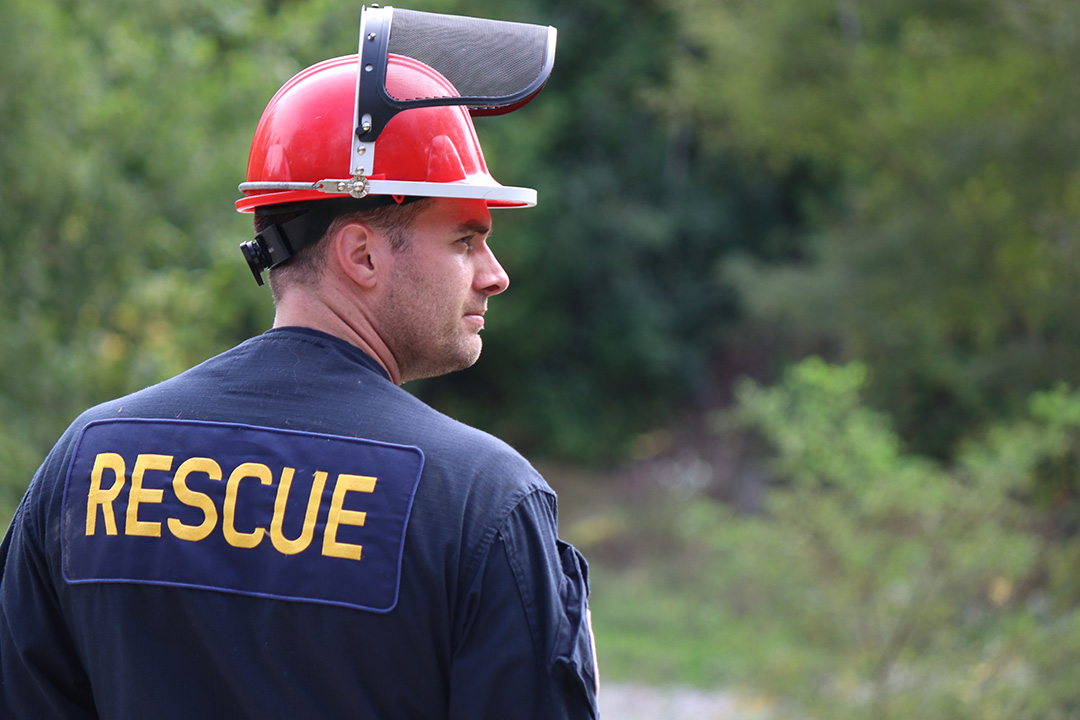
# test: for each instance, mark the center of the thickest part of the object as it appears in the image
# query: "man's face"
(433, 309)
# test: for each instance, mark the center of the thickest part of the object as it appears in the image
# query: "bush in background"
(877, 584)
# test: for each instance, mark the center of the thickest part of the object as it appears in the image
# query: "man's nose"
(491, 278)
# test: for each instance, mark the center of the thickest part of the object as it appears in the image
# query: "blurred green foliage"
(934, 149)
(878, 583)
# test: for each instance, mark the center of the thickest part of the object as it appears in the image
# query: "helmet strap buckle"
(269, 248)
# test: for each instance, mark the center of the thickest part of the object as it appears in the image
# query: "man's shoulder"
(445, 439)
(465, 467)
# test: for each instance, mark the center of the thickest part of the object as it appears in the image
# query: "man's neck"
(352, 325)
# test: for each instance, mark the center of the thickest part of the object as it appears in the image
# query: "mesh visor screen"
(492, 64)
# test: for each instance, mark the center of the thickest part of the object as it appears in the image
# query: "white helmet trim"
(362, 187)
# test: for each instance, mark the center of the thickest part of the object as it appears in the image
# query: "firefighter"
(283, 531)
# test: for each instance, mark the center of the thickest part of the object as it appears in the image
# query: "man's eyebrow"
(474, 227)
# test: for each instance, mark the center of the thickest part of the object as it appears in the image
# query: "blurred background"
(794, 331)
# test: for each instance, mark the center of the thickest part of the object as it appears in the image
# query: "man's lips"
(476, 317)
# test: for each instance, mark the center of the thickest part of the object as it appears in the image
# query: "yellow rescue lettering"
(104, 498)
(197, 500)
(339, 516)
(281, 543)
(228, 526)
(103, 494)
(138, 494)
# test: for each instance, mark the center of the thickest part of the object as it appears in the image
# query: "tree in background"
(935, 151)
(911, 589)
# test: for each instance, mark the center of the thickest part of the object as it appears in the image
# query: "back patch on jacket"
(239, 509)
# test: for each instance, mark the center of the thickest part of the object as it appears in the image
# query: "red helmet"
(395, 120)
(304, 146)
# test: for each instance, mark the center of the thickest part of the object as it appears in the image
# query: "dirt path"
(622, 701)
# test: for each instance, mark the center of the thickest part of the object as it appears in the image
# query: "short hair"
(306, 266)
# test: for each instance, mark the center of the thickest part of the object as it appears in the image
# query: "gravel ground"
(639, 702)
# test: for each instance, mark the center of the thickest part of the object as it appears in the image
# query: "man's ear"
(355, 249)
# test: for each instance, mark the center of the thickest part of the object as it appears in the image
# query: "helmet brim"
(500, 196)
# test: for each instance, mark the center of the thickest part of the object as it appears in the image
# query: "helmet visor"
(491, 66)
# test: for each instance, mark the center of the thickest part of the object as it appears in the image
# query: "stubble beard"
(422, 346)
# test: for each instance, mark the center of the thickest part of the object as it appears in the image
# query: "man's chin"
(469, 359)
(461, 358)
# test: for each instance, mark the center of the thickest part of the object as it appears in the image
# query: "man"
(282, 531)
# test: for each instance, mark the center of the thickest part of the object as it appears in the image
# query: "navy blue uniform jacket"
(281, 532)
